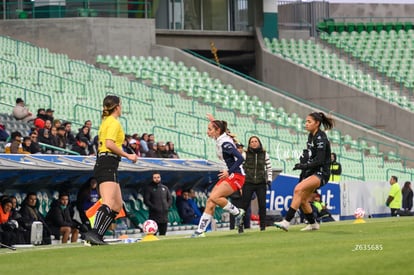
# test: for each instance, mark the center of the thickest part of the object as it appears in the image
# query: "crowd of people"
(57, 136)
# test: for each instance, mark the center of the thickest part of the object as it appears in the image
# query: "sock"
(310, 218)
(204, 222)
(290, 214)
(103, 219)
(231, 208)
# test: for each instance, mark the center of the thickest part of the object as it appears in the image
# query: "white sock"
(232, 209)
(204, 222)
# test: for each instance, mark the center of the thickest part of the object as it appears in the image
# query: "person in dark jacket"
(158, 199)
(185, 209)
(59, 220)
(258, 169)
(29, 214)
(407, 201)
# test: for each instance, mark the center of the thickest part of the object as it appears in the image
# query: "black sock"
(290, 214)
(103, 219)
(310, 218)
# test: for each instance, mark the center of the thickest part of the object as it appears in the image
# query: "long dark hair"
(327, 122)
(221, 125)
(406, 186)
(110, 102)
(260, 144)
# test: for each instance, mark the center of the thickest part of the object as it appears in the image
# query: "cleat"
(284, 225)
(93, 238)
(198, 235)
(238, 219)
(311, 227)
(241, 229)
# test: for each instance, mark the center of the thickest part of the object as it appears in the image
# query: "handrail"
(399, 171)
(297, 98)
(360, 162)
(14, 65)
(61, 79)
(129, 99)
(90, 68)
(176, 114)
(269, 138)
(70, 152)
(280, 160)
(201, 140)
(125, 126)
(25, 90)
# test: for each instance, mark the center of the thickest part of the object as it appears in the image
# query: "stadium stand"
(172, 100)
(320, 59)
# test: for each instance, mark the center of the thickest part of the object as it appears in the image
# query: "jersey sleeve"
(230, 149)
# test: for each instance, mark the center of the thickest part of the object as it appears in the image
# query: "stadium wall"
(85, 38)
(370, 10)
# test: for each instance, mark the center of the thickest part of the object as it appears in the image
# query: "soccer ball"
(150, 227)
(359, 213)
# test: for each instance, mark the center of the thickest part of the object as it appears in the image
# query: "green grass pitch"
(379, 246)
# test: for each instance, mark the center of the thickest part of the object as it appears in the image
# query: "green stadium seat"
(388, 26)
(369, 27)
(350, 27)
(378, 26)
(360, 27)
(408, 26)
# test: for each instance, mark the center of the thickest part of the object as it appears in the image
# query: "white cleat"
(284, 225)
(311, 227)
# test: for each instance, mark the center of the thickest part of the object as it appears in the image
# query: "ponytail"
(327, 122)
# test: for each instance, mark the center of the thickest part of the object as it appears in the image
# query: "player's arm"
(110, 144)
(389, 200)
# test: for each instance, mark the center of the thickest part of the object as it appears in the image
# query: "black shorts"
(106, 169)
(324, 178)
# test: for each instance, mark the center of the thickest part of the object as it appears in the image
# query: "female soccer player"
(111, 136)
(315, 170)
(231, 178)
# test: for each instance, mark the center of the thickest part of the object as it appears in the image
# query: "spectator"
(30, 214)
(49, 114)
(84, 131)
(70, 139)
(87, 196)
(54, 141)
(9, 228)
(44, 137)
(15, 144)
(336, 169)
(152, 152)
(134, 146)
(322, 213)
(3, 134)
(34, 146)
(61, 138)
(27, 141)
(151, 138)
(185, 209)
(407, 198)
(394, 199)
(57, 123)
(171, 150)
(161, 150)
(81, 146)
(59, 220)
(39, 122)
(258, 170)
(21, 112)
(158, 199)
(144, 144)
